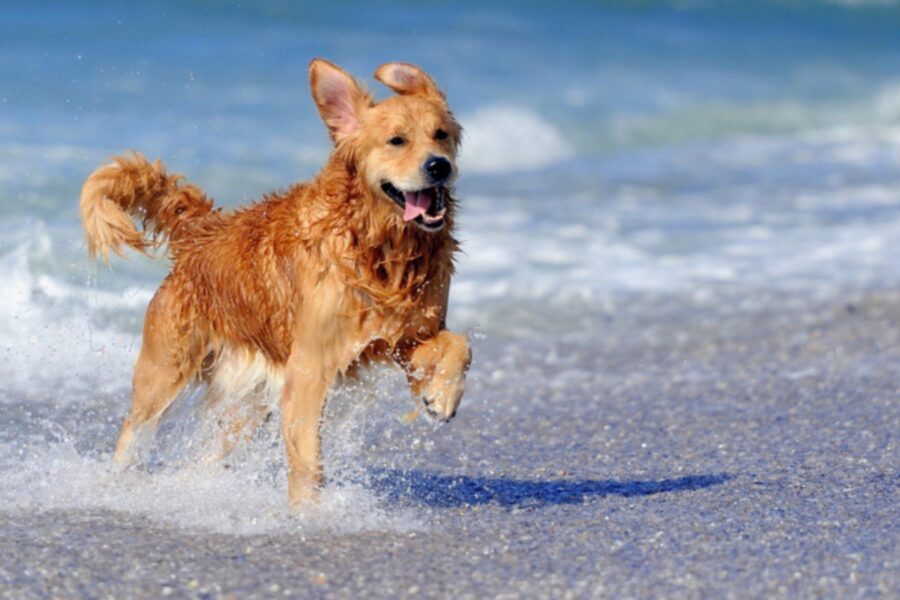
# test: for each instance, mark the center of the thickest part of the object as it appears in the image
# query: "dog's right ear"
(339, 99)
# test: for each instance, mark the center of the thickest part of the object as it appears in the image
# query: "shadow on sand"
(447, 491)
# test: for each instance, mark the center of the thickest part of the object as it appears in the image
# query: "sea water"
(621, 163)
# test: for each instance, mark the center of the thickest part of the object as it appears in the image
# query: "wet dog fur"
(294, 292)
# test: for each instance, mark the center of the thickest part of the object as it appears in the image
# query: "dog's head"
(403, 147)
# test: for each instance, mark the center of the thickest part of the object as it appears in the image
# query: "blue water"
(612, 150)
(618, 156)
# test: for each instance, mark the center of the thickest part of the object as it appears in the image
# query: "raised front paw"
(439, 373)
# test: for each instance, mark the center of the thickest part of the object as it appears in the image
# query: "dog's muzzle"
(425, 207)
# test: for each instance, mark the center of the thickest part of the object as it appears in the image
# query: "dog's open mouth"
(424, 207)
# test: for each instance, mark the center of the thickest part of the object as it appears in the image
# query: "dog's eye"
(440, 134)
(396, 141)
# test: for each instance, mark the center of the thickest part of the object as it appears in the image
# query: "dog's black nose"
(438, 169)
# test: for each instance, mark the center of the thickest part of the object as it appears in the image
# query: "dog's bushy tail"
(131, 188)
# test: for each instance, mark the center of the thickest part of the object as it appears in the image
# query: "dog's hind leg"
(238, 424)
(243, 389)
(165, 364)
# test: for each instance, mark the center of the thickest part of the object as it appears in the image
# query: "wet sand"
(745, 454)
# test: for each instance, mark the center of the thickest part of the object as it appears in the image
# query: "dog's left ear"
(406, 79)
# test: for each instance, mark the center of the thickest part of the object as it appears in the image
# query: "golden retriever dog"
(291, 294)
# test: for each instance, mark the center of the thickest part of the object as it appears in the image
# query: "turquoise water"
(618, 157)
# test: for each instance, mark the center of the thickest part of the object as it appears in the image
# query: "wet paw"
(441, 399)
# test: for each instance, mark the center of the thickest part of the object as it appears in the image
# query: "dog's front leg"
(436, 370)
(306, 385)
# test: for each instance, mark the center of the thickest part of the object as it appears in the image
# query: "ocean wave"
(867, 114)
(509, 139)
(51, 335)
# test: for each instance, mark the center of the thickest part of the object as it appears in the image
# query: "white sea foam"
(62, 466)
(509, 139)
(805, 237)
(49, 338)
(240, 501)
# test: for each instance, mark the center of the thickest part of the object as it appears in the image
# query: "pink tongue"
(416, 204)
